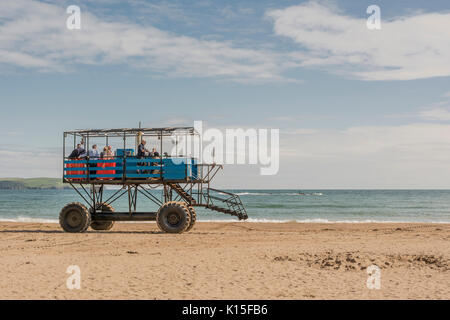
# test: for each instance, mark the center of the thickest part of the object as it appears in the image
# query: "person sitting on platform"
(155, 154)
(79, 152)
(104, 153)
(93, 155)
(142, 153)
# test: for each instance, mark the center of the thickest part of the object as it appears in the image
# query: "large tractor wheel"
(193, 218)
(75, 217)
(173, 217)
(103, 225)
(191, 212)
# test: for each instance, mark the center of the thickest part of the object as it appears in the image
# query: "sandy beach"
(227, 261)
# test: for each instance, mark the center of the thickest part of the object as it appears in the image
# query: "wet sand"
(227, 261)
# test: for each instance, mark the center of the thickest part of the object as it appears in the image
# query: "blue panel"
(134, 168)
(74, 161)
(92, 161)
(143, 175)
(93, 169)
(105, 168)
(75, 169)
(194, 169)
(105, 176)
(142, 160)
(172, 168)
(119, 164)
(174, 171)
(122, 152)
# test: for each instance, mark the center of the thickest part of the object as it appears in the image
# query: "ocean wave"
(28, 219)
(278, 194)
(253, 194)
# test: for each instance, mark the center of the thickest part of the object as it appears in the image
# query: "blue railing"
(131, 168)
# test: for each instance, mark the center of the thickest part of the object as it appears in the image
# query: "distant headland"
(31, 183)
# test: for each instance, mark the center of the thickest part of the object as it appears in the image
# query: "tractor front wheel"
(173, 217)
(74, 217)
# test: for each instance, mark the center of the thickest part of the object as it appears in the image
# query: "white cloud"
(33, 34)
(439, 111)
(439, 114)
(409, 47)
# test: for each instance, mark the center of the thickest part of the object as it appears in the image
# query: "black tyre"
(173, 217)
(103, 225)
(193, 218)
(74, 217)
(192, 213)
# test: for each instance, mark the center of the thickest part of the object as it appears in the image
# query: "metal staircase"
(182, 193)
(230, 203)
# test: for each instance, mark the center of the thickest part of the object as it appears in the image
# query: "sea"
(280, 206)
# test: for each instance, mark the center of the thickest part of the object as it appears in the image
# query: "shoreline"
(250, 220)
(227, 261)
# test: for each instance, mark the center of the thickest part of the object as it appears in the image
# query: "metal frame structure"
(180, 178)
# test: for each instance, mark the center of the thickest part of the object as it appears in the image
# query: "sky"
(356, 108)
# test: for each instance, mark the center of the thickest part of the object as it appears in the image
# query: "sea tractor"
(180, 182)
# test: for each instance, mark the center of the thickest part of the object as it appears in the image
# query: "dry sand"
(227, 261)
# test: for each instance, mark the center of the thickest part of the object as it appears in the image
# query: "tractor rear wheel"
(193, 218)
(75, 217)
(173, 217)
(103, 225)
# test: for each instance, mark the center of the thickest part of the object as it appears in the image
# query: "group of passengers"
(80, 152)
(94, 154)
(143, 152)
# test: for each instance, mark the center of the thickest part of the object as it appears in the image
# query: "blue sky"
(355, 108)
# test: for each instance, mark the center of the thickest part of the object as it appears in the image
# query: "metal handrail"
(233, 202)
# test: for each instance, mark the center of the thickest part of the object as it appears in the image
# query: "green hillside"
(31, 183)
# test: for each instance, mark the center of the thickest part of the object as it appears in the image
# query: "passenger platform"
(119, 170)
